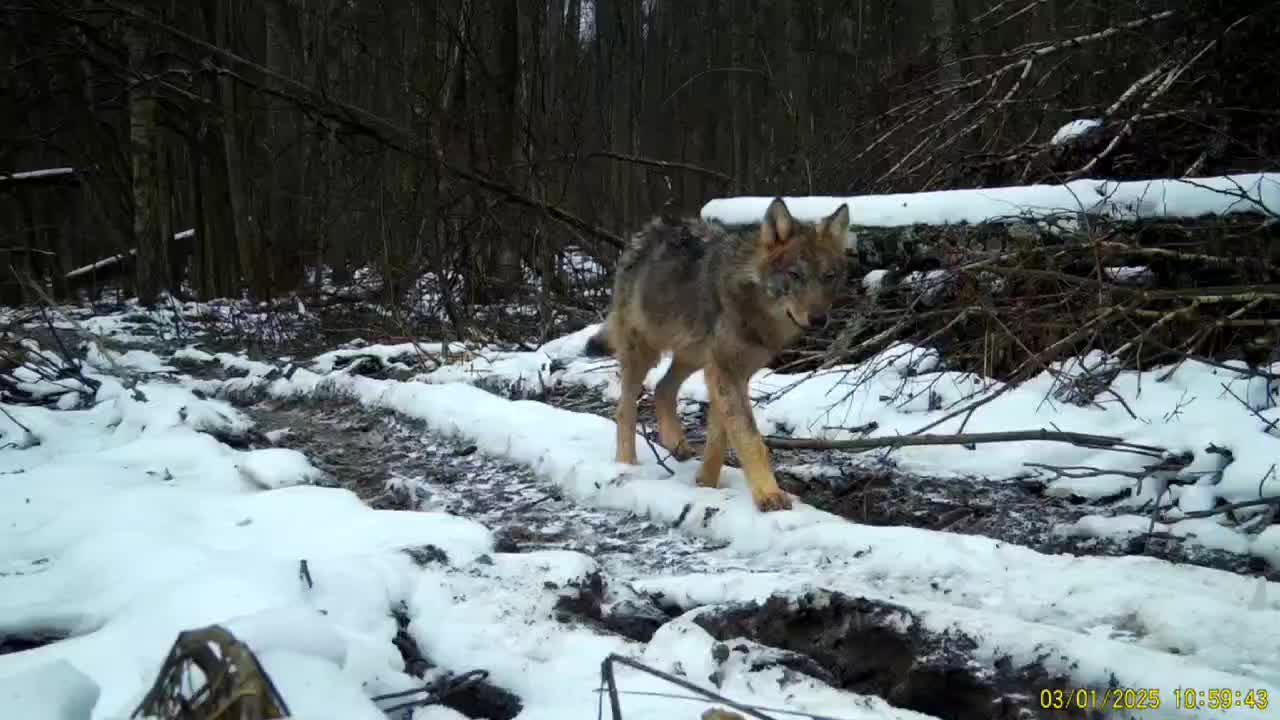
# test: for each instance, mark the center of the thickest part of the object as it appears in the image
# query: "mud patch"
(1012, 510)
(876, 648)
(621, 612)
(477, 699)
(29, 641)
(363, 452)
(393, 462)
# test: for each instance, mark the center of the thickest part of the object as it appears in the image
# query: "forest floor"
(492, 531)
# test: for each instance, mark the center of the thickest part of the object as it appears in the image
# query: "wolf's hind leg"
(713, 453)
(664, 399)
(635, 359)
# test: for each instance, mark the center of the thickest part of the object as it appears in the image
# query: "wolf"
(725, 302)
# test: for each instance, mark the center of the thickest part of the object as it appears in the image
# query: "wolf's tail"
(598, 345)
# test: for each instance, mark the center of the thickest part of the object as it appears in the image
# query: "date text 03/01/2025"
(1149, 699)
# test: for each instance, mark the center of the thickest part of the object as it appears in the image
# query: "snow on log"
(1128, 200)
(99, 265)
(111, 261)
(1074, 129)
(38, 174)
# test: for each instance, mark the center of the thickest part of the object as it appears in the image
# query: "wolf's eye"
(795, 275)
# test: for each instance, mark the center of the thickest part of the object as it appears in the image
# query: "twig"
(1221, 509)
(606, 672)
(435, 691)
(653, 447)
(1270, 424)
(30, 440)
(664, 164)
(1037, 361)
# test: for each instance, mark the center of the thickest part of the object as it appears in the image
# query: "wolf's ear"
(778, 224)
(836, 225)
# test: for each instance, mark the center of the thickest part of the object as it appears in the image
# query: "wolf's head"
(803, 265)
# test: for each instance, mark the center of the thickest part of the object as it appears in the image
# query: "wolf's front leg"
(740, 426)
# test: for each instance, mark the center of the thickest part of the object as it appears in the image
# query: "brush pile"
(1006, 300)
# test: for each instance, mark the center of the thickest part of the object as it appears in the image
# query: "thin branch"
(1105, 442)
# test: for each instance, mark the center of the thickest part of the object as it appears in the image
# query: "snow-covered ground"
(1199, 409)
(125, 522)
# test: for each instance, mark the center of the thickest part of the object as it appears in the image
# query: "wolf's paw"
(683, 451)
(703, 481)
(771, 500)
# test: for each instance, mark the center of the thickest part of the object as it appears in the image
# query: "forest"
(476, 140)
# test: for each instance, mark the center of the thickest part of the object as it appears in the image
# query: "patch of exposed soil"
(394, 463)
(623, 613)
(31, 641)
(877, 648)
(476, 698)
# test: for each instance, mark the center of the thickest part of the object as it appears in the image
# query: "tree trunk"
(143, 143)
(241, 212)
(508, 272)
(944, 28)
(281, 216)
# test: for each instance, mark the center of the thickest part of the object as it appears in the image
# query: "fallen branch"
(607, 675)
(1168, 463)
(1105, 442)
(28, 440)
(1221, 509)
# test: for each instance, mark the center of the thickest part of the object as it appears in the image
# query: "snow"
(271, 468)
(905, 388)
(901, 390)
(874, 281)
(128, 522)
(136, 360)
(1052, 596)
(52, 691)
(683, 647)
(1127, 200)
(403, 356)
(127, 525)
(1074, 129)
(500, 617)
(1129, 274)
